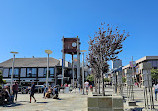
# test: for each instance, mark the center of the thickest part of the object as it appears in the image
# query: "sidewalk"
(138, 96)
(73, 101)
(67, 102)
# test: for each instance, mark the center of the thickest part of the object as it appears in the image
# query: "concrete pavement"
(74, 101)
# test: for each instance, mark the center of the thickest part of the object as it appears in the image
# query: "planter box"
(105, 103)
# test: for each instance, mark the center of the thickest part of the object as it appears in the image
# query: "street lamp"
(48, 52)
(12, 70)
(83, 69)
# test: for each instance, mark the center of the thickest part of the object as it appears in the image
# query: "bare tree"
(105, 46)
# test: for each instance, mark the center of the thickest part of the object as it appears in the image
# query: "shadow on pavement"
(137, 109)
(59, 99)
(23, 101)
(42, 102)
(12, 105)
(138, 101)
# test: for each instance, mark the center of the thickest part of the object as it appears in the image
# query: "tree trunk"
(95, 83)
(103, 91)
(99, 84)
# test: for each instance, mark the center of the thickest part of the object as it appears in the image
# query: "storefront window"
(16, 72)
(51, 72)
(31, 72)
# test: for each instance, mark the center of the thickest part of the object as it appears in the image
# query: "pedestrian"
(75, 86)
(91, 88)
(15, 91)
(79, 87)
(32, 91)
(7, 94)
(49, 92)
(56, 93)
(66, 85)
(45, 90)
(156, 90)
(86, 85)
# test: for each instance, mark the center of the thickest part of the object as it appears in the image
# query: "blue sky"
(31, 26)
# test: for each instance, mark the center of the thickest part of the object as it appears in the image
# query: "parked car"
(39, 88)
(25, 90)
(7, 85)
(20, 88)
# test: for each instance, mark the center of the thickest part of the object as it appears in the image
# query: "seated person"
(49, 92)
(56, 93)
(6, 95)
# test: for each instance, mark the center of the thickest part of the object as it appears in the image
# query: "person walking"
(86, 85)
(45, 90)
(32, 91)
(156, 90)
(79, 87)
(15, 91)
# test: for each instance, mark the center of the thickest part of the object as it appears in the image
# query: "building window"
(23, 72)
(154, 63)
(40, 72)
(5, 72)
(16, 72)
(45, 72)
(31, 72)
(51, 72)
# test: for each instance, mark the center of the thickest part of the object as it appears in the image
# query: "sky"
(32, 26)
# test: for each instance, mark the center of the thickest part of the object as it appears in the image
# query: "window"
(154, 63)
(23, 72)
(16, 72)
(31, 72)
(34, 72)
(51, 72)
(5, 72)
(44, 72)
(40, 72)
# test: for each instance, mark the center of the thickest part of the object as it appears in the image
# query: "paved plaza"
(69, 102)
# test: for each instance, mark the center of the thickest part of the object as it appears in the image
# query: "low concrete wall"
(105, 103)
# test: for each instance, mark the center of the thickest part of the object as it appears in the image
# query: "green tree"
(123, 79)
(1, 77)
(106, 80)
(154, 74)
(90, 78)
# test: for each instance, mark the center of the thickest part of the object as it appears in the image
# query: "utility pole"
(48, 52)
(73, 72)
(12, 70)
(132, 93)
(83, 69)
(78, 61)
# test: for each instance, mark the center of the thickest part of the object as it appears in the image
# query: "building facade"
(27, 70)
(153, 60)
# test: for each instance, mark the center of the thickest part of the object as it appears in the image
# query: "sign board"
(70, 45)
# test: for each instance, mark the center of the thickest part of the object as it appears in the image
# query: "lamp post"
(48, 52)
(12, 69)
(83, 69)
